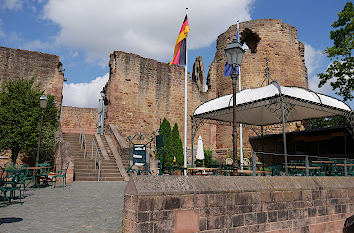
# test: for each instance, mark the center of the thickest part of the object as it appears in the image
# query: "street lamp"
(234, 55)
(43, 100)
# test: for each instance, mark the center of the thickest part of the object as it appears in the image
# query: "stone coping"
(171, 185)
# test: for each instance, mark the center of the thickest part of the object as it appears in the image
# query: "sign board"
(139, 154)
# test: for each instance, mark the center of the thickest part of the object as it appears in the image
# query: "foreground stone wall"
(87, 116)
(46, 69)
(237, 204)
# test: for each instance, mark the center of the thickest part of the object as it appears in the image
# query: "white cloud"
(37, 45)
(2, 33)
(313, 58)
(148, 28)
(84, 94)
(11, 4)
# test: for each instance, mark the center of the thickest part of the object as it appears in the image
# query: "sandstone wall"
(141, 92)
(237, 204)
(46, 69)
(278, 42)
(87, 116)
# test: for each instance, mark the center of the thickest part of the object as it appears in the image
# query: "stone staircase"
(85, 167)
(125, 159)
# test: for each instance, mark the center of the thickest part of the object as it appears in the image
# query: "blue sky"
(84, 32)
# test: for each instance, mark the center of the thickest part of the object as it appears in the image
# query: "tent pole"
(284, 136)
(192, 138)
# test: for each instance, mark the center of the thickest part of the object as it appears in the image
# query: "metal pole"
(254, 163)
(185, 109)
(307, 165)
(345, 167)
(234, 122)
(284, 136)
(192, 139)
(39, 138)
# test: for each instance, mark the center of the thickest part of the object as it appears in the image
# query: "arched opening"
(251, 39)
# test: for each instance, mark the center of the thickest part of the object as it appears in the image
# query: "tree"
(173, 146)
(20, 116)
(176, 146)
(342, 67)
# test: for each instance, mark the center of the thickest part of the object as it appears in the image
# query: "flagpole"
(185, 108)
(240, 88)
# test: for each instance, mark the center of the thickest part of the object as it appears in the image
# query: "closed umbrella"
(200, 150)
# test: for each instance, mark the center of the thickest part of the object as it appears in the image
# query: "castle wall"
(46, 69)
(87, 116)
(141, 92)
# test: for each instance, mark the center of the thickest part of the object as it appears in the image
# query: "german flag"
(179, 56)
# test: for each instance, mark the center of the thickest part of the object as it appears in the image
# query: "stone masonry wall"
(278, 42)
(237, 204)
(141, 92)
(46, 69)
(87, 116)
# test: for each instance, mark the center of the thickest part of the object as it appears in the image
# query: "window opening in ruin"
(251, 39)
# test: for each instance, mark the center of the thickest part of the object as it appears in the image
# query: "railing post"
(345, 168)
(254, 163)
(99, 169)
(307, 165)
(92, 149)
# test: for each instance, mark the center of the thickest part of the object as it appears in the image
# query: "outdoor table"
(202, 170)
(324, 162)
(303, 167)
(35, 171)
(250, 172)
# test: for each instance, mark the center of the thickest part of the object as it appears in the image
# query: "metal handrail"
(97, 155)
(82, 137)
(83, 143)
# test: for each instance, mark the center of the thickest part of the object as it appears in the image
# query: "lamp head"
(234, 53)
(43, 100)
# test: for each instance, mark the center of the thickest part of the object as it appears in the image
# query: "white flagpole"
(185, 108)
(240, 88)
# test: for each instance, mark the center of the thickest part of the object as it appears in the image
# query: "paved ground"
(79, 207)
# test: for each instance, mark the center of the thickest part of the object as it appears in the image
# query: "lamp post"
(234, 55)
(43, 103)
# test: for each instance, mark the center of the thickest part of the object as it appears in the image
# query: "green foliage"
(208, 159)
(20, 117)
(341, 70)
(328, 122)
(173, 146)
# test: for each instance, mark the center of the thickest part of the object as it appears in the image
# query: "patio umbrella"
(200, 150)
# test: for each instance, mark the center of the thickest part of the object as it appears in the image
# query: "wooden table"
(303, 167)
(202, 170)
(250, 172)
(324, 162)
(342, 164)
(35, 171)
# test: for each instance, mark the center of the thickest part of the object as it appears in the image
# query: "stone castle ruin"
(141, 91)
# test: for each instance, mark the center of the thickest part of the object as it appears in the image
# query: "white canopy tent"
(272, 104)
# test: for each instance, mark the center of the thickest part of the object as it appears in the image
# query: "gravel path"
(79, 207)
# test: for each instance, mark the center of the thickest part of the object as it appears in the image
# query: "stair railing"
(82, 137)
(97, 156)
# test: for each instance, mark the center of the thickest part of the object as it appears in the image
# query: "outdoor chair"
(42, 174)
(10, 184)
(59, 174)
(27, 175)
